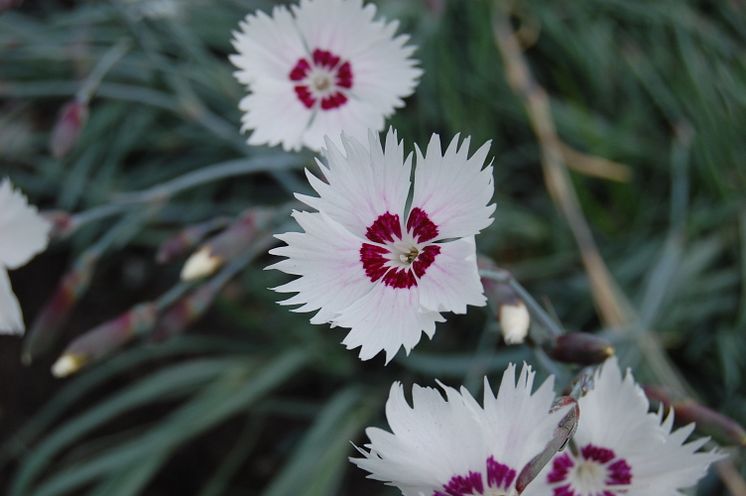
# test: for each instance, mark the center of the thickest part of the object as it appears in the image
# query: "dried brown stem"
(591, 165)
(556, 175)
(613, 306)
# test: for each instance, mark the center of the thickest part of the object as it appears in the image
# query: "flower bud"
(509, 308)
(200, 264)
(67, 130)
(186, 311)
(62, 223)
(226, 245)
(581, 348)
(187, 239)
(57, 310)
(105, 338)
(67, 364)
(514, 322)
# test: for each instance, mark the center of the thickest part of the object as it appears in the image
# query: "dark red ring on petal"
(341, 80)
(386, 230)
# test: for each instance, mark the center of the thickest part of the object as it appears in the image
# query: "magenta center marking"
(323, 81)
(399, 259)
(497, 479)
(595, 471)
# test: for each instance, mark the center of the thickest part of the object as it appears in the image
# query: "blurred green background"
(252, 399)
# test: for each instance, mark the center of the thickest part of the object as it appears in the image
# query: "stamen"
(410, 256)
(322, 82)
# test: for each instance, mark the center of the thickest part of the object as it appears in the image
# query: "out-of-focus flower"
(622, 448)
(66, 132)
(453, 446)
(318, 68)
(23, 234)
(368, 263)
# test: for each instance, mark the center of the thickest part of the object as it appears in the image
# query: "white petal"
(526, 426)
(268, 47)
(437, 438)
(454, 191)
(275, 115)
(452, 281)
(615, 401)
(355, 119)
(362, 183)
(387, 319)
(384, 72)
(23, 232)
(614, 415)
(327, 259)
(388, 57)
(11, 320)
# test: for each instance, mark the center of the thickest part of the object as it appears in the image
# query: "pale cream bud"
(67, 364)
(200, 264)
(514, 321)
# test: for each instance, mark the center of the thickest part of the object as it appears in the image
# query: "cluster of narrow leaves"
(379, 255)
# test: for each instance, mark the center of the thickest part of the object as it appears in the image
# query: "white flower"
(367, 262)
(322, 67)
(454, 446)
(622, 449)
(23, 234)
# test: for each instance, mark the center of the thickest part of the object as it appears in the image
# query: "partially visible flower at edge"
(368, 263)
(454, 446)
(318, 68)
(622, 449)
(23, 234)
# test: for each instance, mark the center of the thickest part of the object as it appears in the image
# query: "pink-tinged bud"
(720, 427)
(226, 245)
(57, 310)
(186, 311)
(562, 434)
(62, 223)
(185, 241)
(9, 4)
(67, 130)
(581, 348)
(437, 7)
(105, 338)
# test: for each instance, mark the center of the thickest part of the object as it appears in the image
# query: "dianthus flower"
(23, 234)
(453, 446)
(320, 68)
(622, 449)
(381, 266)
